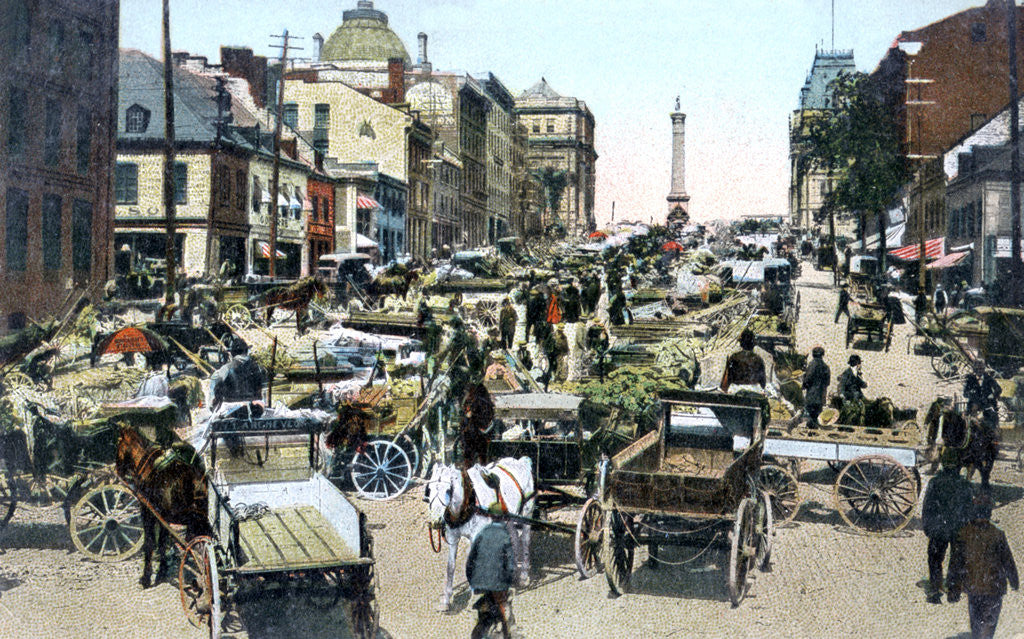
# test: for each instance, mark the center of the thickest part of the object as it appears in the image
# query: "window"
(222, 179)
(290, 115)
(180, 183)
(51, 247)
(55, 43)
(977, 120)
(51, 139)
(83, 140)
(551, 125)
(326, 210)
(86, 56)
(19, 29)
(81, 236)
(126, 183)
(257, 194)
(16, 243)
(321, 116)
(536, 126)
(136, 119)
(978, 32)
(316, 207)
(366, 130)
(241, 184)
(16, 121)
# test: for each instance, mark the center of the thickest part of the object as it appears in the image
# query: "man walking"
(507, 320)
(982, 564)
(844, 304)
(490, 570)
(944, 511)
(816, 381)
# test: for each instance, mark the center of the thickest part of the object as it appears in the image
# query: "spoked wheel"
(412, 451)
(16, 379)
(381, 470)
(617, 550)
(106, 523)
(589, 535)
(326, 589)
(199, 585)
(743, 550)
(764, 532)
(946, 365)
(8, 501)
(364, 610)
(238, 317)
(876, 494)
(783, 491)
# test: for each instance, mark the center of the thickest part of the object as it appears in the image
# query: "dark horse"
(974, 440)
(396, 280)
(174, 484)
(477, 414)
(294, 297)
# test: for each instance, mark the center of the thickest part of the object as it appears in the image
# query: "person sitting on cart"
(851, 384)
(240, 380)
(744, 367)
(491, 573)
(982, 392)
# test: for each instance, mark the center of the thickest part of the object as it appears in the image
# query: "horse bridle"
(468, 504)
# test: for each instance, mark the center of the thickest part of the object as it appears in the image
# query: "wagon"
(690, 481)
(871, 321)
(277, 525)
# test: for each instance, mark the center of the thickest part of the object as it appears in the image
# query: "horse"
(461, 502)
(294, 297)
(974, 441)
(477, 414)
(393, 281)
(173, 481)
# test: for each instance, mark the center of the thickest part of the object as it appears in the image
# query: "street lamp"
(911, 49)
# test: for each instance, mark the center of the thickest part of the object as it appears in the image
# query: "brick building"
(58, 97)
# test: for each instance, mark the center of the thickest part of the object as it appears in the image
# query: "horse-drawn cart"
(871, 321)
(277, 523)
(689, 481)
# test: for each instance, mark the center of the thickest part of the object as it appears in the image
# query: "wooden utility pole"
(278, 121)
(169, 211)
(1015, 259)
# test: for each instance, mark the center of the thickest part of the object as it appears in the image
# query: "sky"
(737, 66)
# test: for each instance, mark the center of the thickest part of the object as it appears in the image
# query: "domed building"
(363, 37)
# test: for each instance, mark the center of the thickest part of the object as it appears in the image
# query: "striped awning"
(265, 251)
(933, 249)
(367, 202)
(950, 259)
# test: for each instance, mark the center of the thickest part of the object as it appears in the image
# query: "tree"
(553, 182)
(859, 143)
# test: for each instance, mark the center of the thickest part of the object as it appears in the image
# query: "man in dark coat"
(982, 564)
(591, 294)
(617, 308)
(981, 389)
(240, 380)
(491, 571)
(944, 511)
(851, 384)
(844, 303)
(816, 380)
(744, 367)
(507, 320)
(536, 307)
(571, 303)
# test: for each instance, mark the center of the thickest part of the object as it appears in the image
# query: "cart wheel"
(381, 470)
(106, 523)
(364, 610)
(617, 549)
(238, 317)
(783, 491)
(8, 501)
(765, 532)
(947, 365)
(326, 589)
(588, 539)
(876, 494)
(742, 551)
(412, 451)
(16, 379)
(199, 585)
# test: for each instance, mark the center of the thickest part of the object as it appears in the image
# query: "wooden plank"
(290, 538)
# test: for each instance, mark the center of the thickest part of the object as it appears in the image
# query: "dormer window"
(136, 119)
(366, 129)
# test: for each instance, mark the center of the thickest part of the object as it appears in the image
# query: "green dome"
(364, 35)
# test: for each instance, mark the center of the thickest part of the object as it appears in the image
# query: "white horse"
(462, 502)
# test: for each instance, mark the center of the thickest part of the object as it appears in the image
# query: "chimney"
(396, 81)
(239, 62)
(318, 46)
(423, 49)
(318, 160)
(290, 147)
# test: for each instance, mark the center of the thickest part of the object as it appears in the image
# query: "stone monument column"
(678, 200)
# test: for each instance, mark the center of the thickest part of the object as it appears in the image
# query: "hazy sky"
(738, 66)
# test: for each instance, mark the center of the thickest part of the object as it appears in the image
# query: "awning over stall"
(933, 249)
(948, 260)
(367, 202)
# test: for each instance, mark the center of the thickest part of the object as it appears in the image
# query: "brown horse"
(294, 297)
(477, 414)
(173, 482)
(974, 441)
(393, 282)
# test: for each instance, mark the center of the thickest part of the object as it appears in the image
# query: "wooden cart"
(690, 481)
(871, 321)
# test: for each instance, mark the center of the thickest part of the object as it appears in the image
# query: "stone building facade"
(560, 135)
(500, 124)
(58, 104)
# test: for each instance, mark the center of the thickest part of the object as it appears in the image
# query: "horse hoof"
(144, 582)
(443, 606)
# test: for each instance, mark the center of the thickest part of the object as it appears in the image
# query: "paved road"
(827, 580)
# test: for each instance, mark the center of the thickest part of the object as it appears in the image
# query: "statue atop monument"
(677, 104)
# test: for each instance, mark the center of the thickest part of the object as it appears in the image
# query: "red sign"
(128, 340)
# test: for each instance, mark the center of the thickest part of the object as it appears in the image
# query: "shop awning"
(282, 200)
(367, 202)
(364, 242)
(933, 249)
(265, 251)
(950, 259)
(265, 196)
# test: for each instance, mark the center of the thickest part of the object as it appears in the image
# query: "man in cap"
(815, 384)
(851, 384)
(981, 564)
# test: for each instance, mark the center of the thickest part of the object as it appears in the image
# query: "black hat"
(747, 338)
(238, 346)
(854, 359)
(818, 351)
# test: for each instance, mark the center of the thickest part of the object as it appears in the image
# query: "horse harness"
(468, 504)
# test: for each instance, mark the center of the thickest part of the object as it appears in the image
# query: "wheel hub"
(110, 525)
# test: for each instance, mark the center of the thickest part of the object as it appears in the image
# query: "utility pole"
(911, 49)
(224, 117)
(1015, 259)
(274, 182)
(169, 211)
